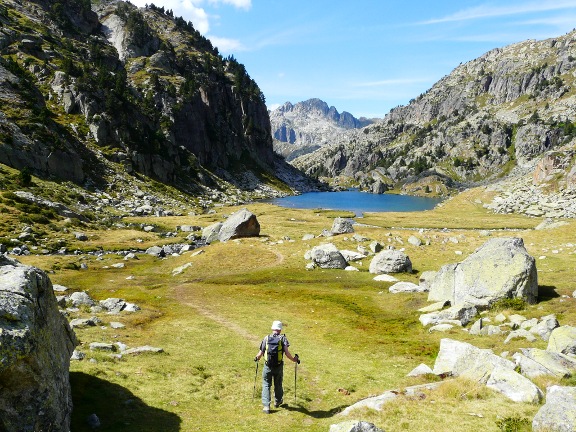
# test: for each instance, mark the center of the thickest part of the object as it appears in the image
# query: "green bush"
(516, 304)
(514, 424)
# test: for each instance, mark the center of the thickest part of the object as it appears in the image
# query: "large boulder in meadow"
(342, 226)
(328, 256)
(463, 359)
(36, 343)
(242, 223)
(390, 261)
(558, 414)
(501, 268)
(563, 340)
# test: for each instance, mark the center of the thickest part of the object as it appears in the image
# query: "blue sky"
(364, 56)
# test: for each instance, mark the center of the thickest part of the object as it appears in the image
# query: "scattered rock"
(520, 334)
(81, 298)
(441, 328)
(513, 385)
(405, 287)
(463, 359)
(101, 346)
(180, 270)
(558, 414)
(535, 362)
(390, 261)
(352, 255)
(463, 314)
(385, 278)
(82, 323)
(563, 340)
(328, 256)
(143, 349)
(342, 226)
(419, 370)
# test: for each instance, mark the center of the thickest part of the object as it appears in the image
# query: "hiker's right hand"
(256, 359)
(297, 358)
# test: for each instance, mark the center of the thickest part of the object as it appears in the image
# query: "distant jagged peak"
(316, 108)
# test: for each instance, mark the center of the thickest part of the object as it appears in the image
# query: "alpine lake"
(357, 202)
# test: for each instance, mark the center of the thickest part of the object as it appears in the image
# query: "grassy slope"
(350, 332)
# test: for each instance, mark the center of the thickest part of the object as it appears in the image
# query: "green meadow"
(354, 338)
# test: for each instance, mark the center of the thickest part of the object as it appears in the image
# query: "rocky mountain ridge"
(491, 117)
(306, 126)
(104, 94)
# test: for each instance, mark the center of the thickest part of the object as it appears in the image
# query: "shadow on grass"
(315, 414)
(116, 407)
(546, 293)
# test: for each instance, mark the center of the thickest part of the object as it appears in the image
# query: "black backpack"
(274, 352)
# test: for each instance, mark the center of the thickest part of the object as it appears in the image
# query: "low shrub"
(516, 304)
(514, 424)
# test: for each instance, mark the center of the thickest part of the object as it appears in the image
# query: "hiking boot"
(266, 409)
(278, 403)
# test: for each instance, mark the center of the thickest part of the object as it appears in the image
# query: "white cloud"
(274, 106)
(241, 4)
(226, 45)
(490, 11)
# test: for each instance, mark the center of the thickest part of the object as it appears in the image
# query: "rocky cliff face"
(36, 343)
(306, 126)
(500, 112)
(89, 92)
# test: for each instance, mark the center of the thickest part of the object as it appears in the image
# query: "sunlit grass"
(354, 337)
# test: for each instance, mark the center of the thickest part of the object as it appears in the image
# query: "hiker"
(273, 347)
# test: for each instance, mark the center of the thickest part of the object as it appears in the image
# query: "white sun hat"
(277, 325)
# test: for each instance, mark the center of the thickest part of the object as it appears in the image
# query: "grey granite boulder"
(390, 261)
(513, 385)
(328, 256)
(534, 362)
(545, 326)
(558, 414)
(463, 359)
(242, 223)
(342, 226)
(36, 344)
(563, 340)
(501, 268)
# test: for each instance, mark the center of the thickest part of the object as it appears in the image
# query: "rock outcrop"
(36, 343)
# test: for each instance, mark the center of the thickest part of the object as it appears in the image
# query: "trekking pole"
(255, 376)
(295, 373)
